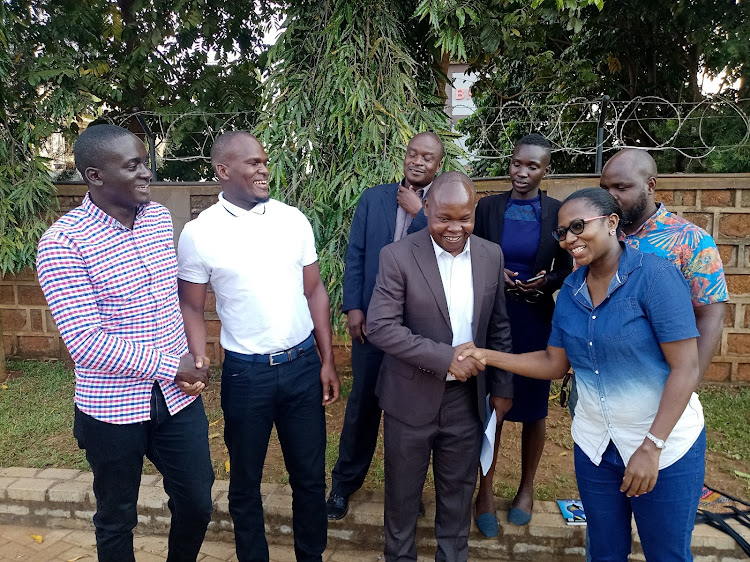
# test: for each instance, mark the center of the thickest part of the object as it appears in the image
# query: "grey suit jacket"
(408, 319)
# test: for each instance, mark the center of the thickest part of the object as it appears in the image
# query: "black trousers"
(361, 422)
(178, 447)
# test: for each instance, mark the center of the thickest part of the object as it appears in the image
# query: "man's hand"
(478, 353)
(197, 387)
(408, 200)
(501, 405)
(329, 378)
(355, 321)
(189, 373)
(642, 470)
(468, 367)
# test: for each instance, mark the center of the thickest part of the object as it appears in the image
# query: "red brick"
(717, 198)
(213, 328)
(745, 200)
(701, 219)
(738, 284)
(13, 320)
(728, 254)
(743, 373)
(9, 344)
(210, 302)
(26, 274)
(735, 225)
(718, 372)
(738, 344)
(6, 294)
(666, 197)
(37, 347)
(31, 294)
(36, 320)
(747, 317)
(729, 316)
(688, 198)
(51, 327)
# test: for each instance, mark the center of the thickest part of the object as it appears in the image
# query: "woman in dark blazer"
(521, 220)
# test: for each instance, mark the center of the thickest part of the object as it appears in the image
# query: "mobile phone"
(537, 278)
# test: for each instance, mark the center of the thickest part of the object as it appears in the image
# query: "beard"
(636, 211)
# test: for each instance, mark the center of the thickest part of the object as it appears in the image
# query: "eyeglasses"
(529, 296)
(576, 226)
(564, 390)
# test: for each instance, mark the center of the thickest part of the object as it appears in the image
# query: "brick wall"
(720, 203)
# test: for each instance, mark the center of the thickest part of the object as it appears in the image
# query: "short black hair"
(534, 139)
(601, 200)
(94, 143)
(222, 142)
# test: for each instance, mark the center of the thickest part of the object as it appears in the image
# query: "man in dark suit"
(438, 292)
(385, 213)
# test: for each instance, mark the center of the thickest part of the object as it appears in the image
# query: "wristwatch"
(658, 442)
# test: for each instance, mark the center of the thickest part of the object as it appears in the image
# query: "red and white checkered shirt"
(113, 294)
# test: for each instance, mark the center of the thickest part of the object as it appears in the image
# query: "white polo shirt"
(253, 260)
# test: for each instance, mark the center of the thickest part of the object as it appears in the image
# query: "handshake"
(192, 374)
(468, 360)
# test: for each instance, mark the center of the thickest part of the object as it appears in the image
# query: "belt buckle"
(272, 355)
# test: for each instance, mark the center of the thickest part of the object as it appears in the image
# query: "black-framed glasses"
(564, 390)
(529, 296)
(576, 226)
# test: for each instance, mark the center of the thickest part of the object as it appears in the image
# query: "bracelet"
(658, 442)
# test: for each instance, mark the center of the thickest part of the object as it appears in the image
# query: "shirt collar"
(439, 251)
(98, 214)
(234, 210)
(425, 188)
(651, 222)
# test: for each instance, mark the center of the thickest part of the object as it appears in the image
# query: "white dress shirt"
(458, 284)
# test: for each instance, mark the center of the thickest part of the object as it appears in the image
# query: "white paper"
(488, 439)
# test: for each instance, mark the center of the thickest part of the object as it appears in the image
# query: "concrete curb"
(63, 498)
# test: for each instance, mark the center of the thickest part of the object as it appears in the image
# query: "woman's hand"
(510, 278)
(642, 470)
(532, 286)
(478, 353)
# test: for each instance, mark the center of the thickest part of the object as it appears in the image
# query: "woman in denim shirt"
(625, 323)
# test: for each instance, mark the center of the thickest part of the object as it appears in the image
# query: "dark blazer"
(373, 227)
(408, 319)
(550, 256)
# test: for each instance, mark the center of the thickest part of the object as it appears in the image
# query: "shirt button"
(591, 343)
(609, 425)
(594, 317)
(597, 372)
(602, 398)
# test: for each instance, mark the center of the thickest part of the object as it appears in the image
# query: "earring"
(612, 232)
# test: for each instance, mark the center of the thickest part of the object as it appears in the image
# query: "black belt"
(453, 384)
(276, 358)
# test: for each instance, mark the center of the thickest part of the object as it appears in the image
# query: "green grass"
(36, 411)
(727, 413)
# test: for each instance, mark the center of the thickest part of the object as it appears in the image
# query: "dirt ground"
(555, 477)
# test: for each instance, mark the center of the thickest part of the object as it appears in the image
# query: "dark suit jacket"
(408, 319)
(373, 227)
(558, 263)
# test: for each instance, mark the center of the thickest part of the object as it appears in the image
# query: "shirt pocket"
(620, 319)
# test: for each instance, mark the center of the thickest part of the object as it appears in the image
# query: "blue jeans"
(665, 516)
(178, 447)
(254, 396)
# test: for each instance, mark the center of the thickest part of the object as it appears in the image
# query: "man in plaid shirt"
(109, 272)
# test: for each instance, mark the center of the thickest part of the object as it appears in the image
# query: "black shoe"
(336, 506)
(421, 509)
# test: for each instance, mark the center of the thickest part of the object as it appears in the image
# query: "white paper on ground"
(488, 439)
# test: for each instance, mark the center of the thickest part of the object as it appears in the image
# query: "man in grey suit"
(438, 291)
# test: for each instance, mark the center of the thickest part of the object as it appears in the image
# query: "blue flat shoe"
(487, 524)
(518, 517)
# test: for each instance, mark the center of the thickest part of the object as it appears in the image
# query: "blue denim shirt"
(614, 349)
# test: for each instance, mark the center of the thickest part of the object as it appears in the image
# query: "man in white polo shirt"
(259, 256)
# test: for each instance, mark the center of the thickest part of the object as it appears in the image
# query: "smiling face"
(424, 154)
(595, 241)
(528, 165)
(243, 172)
(119, 184)
(450, 215)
